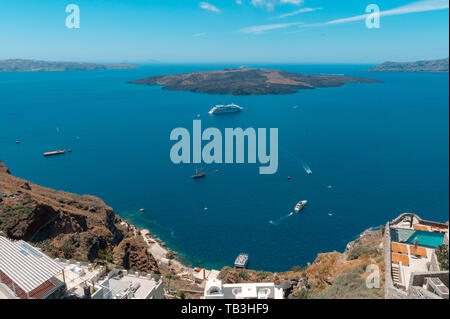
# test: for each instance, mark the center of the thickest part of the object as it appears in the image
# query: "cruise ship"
(229, 108)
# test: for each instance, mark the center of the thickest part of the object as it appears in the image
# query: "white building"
(215, 290)
(119, 284)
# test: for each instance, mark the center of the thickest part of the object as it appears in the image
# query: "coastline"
(160, 252)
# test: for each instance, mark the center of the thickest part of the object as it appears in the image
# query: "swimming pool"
(424, 238)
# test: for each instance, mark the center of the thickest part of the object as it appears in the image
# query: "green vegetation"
(442, 256)
(172, 276)
(303, 294)
(348, 285)
(263, 275)
(13, 220)
(243, 276)
(105, 256)
(180, 295)
(363, 251)
(67, 249)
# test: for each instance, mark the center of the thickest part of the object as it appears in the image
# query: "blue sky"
(305, 31)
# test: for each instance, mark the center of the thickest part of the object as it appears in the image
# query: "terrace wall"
(390, 292)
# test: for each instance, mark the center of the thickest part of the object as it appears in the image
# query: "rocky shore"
(84, 228)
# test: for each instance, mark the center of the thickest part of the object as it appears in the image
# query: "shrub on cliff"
(362, 251)
(14, 220)
(349, 285)
(442, 256)
(67, 249)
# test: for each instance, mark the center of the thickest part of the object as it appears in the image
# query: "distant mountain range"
(22, 65)
(438, 66)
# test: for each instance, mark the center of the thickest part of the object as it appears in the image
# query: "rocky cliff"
(69, 226)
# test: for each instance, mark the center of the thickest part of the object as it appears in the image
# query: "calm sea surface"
(383, 149)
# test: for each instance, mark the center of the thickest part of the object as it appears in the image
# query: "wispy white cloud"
(303, 10)
(270, 4)
(296, 2)
(413, 7)
(201, 34)
(262, 28)
(418, 6)
(209, 7)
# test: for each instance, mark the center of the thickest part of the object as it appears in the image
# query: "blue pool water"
(426, 238)
(384, 149)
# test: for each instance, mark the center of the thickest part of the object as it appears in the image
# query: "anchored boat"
(241, 261)
(54, 153)
(198, 175)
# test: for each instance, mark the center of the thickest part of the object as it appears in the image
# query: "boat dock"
(241, 261)
(54, 153)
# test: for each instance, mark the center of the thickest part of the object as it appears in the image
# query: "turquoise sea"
(383, 149)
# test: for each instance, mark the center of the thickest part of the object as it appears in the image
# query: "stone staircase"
(395, 271)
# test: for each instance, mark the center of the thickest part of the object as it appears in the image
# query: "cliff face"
(332, 275)
(68, 225)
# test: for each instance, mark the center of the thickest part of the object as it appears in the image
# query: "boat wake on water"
(298, 160)
(279, 220)
(307, 168)
(282, 218)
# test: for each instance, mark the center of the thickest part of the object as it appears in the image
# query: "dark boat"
(198, 175)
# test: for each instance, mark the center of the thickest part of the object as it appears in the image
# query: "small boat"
(300, 205)
(241, 261)
(291, 213)
(142, 210)
(54, 153)
(198, 175)
(288, 177)
(17, 142)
